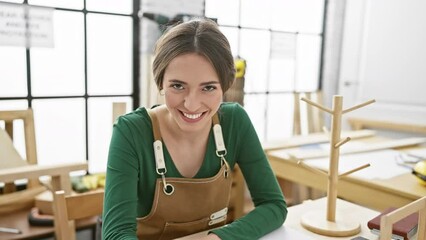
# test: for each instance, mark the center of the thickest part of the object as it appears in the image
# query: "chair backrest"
(386, 221)
(28, 117)
(30, 142)
(307, 119)
(73, 207)
(12, 200)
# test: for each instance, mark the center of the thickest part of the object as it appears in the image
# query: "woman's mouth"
(191, 117)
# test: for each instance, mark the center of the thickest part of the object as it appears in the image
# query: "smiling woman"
(170, 168)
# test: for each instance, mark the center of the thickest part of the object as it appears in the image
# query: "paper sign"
(27, 26)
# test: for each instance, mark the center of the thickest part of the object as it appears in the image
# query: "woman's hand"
(211, 236)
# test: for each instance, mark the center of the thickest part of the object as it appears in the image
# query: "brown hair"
(200, 36)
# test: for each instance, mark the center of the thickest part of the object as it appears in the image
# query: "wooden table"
(292, 229)
(60, 180)
(19, 220)
(377, 194)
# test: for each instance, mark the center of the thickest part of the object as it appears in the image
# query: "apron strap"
(158, 144)
(220, 144)
(155, 124)
(216, 119)
(218, 137)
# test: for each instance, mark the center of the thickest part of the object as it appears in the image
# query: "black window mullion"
(136, 53)
(28, 65)
(86, 95)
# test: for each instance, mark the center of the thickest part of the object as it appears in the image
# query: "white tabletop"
(292, 229)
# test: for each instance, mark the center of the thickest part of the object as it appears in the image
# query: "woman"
(169, 168)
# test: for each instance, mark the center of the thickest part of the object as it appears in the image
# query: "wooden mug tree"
(314, 221)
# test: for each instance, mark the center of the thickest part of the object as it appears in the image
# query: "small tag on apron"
(218, 216)
(219, 213)
(217, 220)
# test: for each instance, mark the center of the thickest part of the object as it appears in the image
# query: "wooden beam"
(35, 171)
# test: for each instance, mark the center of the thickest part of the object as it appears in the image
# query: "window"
(282, 44)
(71, 87)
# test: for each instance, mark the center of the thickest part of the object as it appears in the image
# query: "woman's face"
(192, 91)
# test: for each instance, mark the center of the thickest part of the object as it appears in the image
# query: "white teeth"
(192, 116)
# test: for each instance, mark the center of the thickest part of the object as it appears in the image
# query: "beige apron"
(183, 206)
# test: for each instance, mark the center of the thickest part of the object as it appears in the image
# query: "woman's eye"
(209, 88)
(177, 86)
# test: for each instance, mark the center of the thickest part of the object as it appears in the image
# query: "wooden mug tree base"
(316, 222)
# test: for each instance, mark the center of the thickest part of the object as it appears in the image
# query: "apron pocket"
(175, 230)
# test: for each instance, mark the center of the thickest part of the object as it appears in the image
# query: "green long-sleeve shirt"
(131, 175)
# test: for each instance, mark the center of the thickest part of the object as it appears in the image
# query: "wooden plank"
(118, 109)
(18, 200)
(64, 229)
(361, 123)
(24, 194)
(12, 115)
(297, 128)
(318, 153)
(30, 141)
(85, 205)
(313, 138)
(35, 171)
(62, 182)
(389, 219)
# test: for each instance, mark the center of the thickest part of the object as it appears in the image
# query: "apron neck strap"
(158, 144)
(155, 124)
(218, 136)
(215, 119)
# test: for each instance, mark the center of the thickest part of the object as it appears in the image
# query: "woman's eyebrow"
(201, 84)
(177, 81)
(210, 83)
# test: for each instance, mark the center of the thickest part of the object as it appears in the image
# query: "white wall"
(384, 58)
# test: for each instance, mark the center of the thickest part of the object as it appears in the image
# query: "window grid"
(269, 91)
(135, 65)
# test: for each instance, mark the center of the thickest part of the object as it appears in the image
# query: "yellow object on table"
(419, 171)
(88, 182)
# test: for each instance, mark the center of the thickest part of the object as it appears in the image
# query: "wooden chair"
(306, 120)
(313, 120)
(386, 221)
(30, 142)
(13, 159)
(74, 207)
(15, 205)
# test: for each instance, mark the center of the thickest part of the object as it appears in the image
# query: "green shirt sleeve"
(270, 208)
(122, 175)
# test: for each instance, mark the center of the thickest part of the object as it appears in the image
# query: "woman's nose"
(192, 101)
